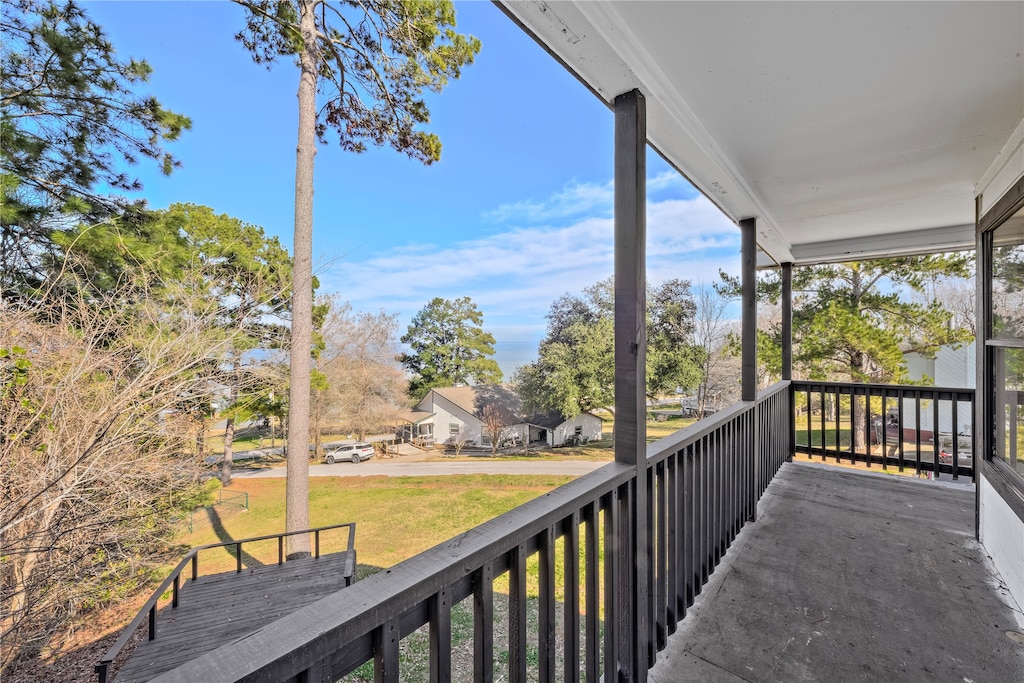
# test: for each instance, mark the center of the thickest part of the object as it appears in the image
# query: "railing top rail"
(313, 633)
(701, 428)
(804, 383)
(119, 644)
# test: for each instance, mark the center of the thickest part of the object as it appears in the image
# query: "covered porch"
(848, 576)
(828, 132)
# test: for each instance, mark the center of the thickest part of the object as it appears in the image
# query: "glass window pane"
(1009, 381)
(1008, 279)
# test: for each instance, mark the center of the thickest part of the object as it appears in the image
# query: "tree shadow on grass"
(224, 537)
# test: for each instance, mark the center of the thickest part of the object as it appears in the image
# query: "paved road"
(376, 468)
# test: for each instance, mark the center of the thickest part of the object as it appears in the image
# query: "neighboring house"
(554, 430)
(953, 366)
(451, 414)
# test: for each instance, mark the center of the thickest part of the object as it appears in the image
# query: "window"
(578, 431)
(1005, 339)
(453, 428)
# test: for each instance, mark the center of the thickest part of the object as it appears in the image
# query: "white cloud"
(573, 200)
(514, 275)
(577, 199)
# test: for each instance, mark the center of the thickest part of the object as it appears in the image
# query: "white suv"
(356, 452)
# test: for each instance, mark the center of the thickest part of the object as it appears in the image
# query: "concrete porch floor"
(850, 576)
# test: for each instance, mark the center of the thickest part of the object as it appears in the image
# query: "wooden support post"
(630, 374)
(748, 280)
(787, 352)
(787, 321)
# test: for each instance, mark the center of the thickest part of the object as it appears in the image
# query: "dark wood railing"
(927, 429)
(703, 485)
(174, 582)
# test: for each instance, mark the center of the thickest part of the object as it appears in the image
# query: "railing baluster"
(715, 469)
(703, 511)
(674, 529)
(571, 626)
(884, 422)
(729, 519)
(917, 431)
(651, 610)
(974, 460)
(440, 637)
(936, 442)
(546, 607)
(611, 587)
(483, 624)
(824, 443)
(238, 558)
(660, 587)
(688, 517)
(385, 656)
(841, 450)
(591, 518)
(899, 426)
(955, 437)
(517, 615)
(174, 592)
(867, 425)
(810, 442)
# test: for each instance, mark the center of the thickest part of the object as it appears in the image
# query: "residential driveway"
(386, 468)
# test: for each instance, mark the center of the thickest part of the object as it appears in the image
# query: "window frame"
(1003, 477)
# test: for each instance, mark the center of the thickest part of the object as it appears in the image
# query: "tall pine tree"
(363, 68)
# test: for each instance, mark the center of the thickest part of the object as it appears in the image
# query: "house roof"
(473, 399)
(553, 419)
(847, 129)
(413, 415)
(546, 420)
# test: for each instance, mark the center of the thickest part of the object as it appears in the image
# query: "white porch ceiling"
(848, 129)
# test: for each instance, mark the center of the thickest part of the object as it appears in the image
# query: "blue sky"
(517, 212)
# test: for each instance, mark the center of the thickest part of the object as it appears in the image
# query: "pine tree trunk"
(228, 460)
(297, 488)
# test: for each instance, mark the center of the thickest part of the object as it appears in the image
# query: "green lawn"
(396, 517)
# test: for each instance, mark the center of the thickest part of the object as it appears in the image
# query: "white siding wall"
(592, 429)
(445, 415)
(951, 367)
(1002, 534)
(918, 366)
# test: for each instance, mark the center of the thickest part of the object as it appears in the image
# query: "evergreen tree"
(370, 63)
(70, 121)
(449, 347)
(575, 368)
(853, 322)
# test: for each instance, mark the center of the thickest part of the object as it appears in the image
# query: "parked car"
(356, 452)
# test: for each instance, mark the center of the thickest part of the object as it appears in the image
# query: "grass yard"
(396, 517)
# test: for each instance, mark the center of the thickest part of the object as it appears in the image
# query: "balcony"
(736, 564)
(828, 132)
